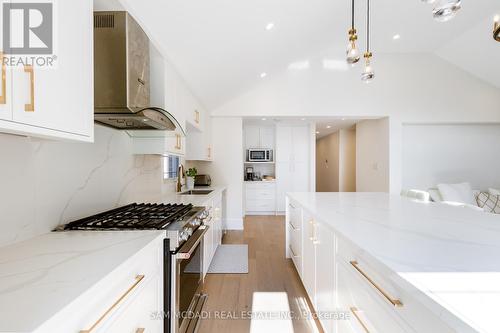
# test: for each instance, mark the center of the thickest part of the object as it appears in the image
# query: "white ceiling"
(325, 127)
(220, 47)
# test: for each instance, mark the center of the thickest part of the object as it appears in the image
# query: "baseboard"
(233, 224)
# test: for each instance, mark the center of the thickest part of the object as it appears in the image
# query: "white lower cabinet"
(260, 198)
(309, 257)
(213, 236)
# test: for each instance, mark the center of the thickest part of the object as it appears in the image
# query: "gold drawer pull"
(394, 302)
(197, 116)
(356, 315)
(31, 106)
(3, 97)
(140, 330)
(138, 280)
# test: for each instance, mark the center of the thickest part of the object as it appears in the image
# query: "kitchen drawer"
(260, 194)
(261, 205)
(141, 312)
(260, 186)
(295, 215)
(367, 312)
(122, 285)
(295, 239)
(382, 282)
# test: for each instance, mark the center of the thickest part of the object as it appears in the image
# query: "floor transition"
(271, 290)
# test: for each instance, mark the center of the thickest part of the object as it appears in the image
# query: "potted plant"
(190, 174)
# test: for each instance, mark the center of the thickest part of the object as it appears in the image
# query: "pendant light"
(446, 10)
(496, 28)
(352, 52)
(368, 74)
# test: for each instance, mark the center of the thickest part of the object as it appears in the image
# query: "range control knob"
(184, 235)
(196, 222)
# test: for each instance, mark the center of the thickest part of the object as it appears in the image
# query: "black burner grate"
(133, 216)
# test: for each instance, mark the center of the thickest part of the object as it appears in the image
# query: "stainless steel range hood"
(122, 76)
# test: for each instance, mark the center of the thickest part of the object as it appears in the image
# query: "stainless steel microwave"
(259, 155)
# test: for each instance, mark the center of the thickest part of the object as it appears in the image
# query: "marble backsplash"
(46, 183)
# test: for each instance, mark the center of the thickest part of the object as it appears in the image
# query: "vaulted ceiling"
(221, 47)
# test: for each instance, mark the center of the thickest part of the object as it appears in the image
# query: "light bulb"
(446, 10)
(352, 53)
(368, 74)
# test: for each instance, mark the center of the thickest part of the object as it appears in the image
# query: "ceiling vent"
(104, 21)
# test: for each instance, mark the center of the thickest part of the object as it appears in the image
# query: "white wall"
(372, 156)
(327, 163)
(410, 88)
(435, 154)
(347, 160)
(46, 183)
(227, 166)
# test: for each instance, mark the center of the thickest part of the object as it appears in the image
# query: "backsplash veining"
(46, 183)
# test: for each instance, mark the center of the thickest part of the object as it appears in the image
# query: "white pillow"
(435, 195)
(494, 191)
(457, 193)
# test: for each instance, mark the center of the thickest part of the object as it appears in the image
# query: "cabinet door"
(61, 98)
(267, 137)
(283, 144)
(284, 183)
(5, 83)
(252, 137)
(300, 143)
(309, 257)
(5, 91)
(325, 275)
(172, 99)
(300, 177)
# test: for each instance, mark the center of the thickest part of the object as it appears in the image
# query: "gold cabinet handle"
(358, 318)
(138, 280)
(209, 152)
(178, 142)
(140, 330)
(394, 302)
(3, 97)
(197, 116)
(31, 106)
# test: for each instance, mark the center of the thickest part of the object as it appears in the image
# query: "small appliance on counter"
(202, 180)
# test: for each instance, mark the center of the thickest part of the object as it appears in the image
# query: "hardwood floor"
(271, 288)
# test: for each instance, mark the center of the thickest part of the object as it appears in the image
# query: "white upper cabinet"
(259, 137)
(199, 144)
(55, 102)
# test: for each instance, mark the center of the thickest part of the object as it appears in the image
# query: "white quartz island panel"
(41, 276)
(448, 257)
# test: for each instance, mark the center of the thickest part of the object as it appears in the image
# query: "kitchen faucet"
(180, 174)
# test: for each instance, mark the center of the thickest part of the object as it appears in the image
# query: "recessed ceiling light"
(328, 126)
(264, 119)
(263, 74)
(302, 119)
(396, 36)
(270, 26)
(317, 132)
(343, 118)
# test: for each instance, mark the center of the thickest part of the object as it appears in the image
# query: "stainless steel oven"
(186, 267)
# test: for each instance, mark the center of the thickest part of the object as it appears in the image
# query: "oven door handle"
(188, 248)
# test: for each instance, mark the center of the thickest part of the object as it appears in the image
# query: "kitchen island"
(429, 267)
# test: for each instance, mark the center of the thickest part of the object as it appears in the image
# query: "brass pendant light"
(352, 52)
(496, 28)
(368, 74)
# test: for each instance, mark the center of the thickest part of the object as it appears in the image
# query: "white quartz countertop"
(41, 276)
(450, 254)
